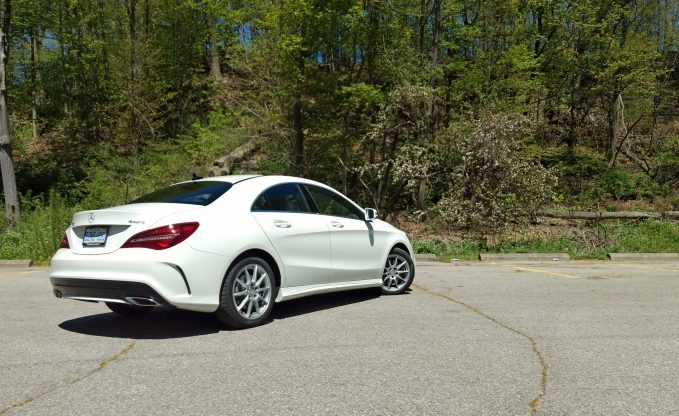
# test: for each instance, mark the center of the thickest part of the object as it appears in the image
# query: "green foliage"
(594, 242)
(668, 160)
(397, 152)
(38, 235)
(619, 184)
(379, 98)
(463, 250)
(494, 184)
(622, 185)
(650, 236)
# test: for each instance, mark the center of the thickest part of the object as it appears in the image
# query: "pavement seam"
(102, 365)
(544, 367)
(649, 268)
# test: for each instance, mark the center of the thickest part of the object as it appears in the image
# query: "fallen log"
(225, 165)
(671, 215)
(604, 215)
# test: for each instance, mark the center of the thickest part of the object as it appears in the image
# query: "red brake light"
(162, 237)
(64, 242)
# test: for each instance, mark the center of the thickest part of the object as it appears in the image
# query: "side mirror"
(370, 214)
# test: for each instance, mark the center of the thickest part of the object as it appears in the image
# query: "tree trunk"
(614, 115)
(35, 88)
(604, 215)
(131, 6)
(423, 26)
(215, 65)
(63, 45)
(572, 119)
(297, 126)
(298, 117)
(373, 33)
(436, 30)
(9, 185)
(667, 13)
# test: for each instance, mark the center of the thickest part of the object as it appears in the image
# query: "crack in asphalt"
(102, 365)
(535, 403)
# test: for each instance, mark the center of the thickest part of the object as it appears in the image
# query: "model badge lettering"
(136, 222)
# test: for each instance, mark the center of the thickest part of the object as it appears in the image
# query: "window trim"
(227, 185)
(341, 196)
(301, 190)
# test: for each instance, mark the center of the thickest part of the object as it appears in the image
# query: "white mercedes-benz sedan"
(232, 245)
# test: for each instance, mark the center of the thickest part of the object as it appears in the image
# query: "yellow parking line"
(525, 269)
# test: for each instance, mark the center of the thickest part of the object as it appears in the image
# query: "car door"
(300, 237)
(355, 248)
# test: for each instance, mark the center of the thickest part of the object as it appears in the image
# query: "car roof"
(263, 180)
(234, 179)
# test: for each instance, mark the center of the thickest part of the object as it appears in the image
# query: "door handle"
(281, 224)
(337, 224)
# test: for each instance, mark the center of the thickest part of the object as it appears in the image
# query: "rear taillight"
(162, 237)
(64, 242)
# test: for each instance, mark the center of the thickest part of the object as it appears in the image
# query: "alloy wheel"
(252, 291)
(396, 273)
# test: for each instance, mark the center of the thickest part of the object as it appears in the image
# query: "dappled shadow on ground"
(164, 323)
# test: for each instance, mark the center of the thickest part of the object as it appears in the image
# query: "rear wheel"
(398, 273)
(128, 310)
(248, 293)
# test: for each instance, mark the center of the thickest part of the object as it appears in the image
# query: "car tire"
(398, 273)
(248, 293)
(128, 310)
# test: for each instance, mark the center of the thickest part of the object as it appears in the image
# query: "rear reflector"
(64, 242)
(162, 237)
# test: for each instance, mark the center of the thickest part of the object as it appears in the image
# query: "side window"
(285, 197)
(330, 203)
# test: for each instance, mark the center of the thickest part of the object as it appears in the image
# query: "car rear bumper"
(181, 276)
(107, 291)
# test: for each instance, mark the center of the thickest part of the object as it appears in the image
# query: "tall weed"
(38, 234)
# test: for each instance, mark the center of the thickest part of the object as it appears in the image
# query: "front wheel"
(398, 273)
(247, 295)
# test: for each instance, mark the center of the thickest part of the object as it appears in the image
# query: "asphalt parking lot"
(570, 338)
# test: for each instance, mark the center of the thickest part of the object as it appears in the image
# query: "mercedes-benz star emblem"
(91, 218)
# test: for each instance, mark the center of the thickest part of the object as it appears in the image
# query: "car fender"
(268, 249)
(395, 240)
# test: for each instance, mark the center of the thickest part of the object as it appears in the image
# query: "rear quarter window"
(194, 193)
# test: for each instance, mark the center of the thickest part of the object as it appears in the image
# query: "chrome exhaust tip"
(141, 301)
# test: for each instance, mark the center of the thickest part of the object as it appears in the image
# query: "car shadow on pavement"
(162, 323)
(317, 303)
(166, 323)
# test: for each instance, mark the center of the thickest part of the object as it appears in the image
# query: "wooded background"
(474, 113)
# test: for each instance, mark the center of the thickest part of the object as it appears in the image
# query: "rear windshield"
(194, 193)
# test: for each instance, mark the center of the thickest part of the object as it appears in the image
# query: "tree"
(6, 161)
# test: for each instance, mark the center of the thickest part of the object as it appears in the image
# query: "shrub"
(621, 185)
(494, 184)
(618, 183)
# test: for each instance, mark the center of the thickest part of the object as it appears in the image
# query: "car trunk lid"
(106, 230)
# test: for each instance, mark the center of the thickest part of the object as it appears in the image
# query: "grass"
(595, 241)
(44, 220)
(40, 230)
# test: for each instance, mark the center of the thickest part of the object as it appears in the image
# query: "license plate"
(95, 236)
